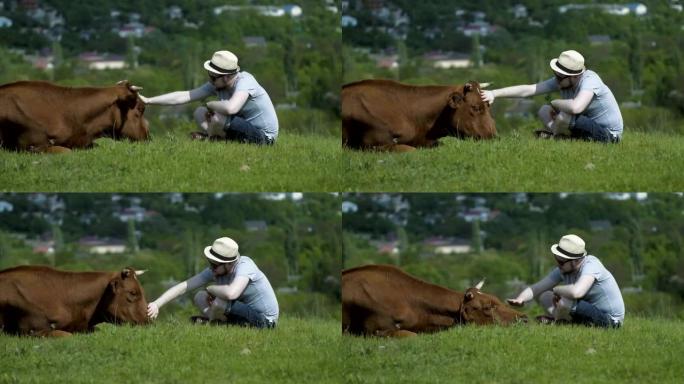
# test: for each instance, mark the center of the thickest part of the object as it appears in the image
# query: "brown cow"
(42, 301)
(382, 300)
(386, 115)
(43, 117)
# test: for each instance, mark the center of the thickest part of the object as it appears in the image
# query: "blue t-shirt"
(602, 109)
(258, 294)
(258, 108)
(604, 294)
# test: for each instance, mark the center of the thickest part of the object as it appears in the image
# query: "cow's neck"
(441, 300)
(87, 291)
(104, 119)
(430, 111)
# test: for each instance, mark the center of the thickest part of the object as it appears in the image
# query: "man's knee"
(200, 114)
(545, 299)
(201, 299)
(544, 112)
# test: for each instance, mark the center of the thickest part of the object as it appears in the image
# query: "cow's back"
(35, 115)
(30, 113)
(40, 298)
(381, 299)
(381, 114)
(41, 285)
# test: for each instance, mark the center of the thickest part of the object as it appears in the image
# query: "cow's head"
(125, 301)
(131, 109)
(481, 308)
(470, 116)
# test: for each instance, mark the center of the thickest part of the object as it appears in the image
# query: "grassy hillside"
(174, 351)
(172, 162)
(644, 351)
(516, 161)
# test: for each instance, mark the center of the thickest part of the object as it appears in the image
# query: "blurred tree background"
(457, 239)
(294, 239)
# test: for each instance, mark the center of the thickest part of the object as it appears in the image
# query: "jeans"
(588, 314)
(240, 313)
(587, 129)
(239, 129)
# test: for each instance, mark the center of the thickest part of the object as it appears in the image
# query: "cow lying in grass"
(386, 115)
(42, 301)
(38, 116)
(382, 300)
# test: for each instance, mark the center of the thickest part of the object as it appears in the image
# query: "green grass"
(644, 351)
(516, 161)
(174, 351)
(172, 162)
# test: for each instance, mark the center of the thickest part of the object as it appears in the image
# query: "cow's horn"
(135, 88)
(121, 82)
(480, 284)
(138, 273)
(485, 85)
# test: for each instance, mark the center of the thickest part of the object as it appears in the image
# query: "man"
(587, 110)
(243, 113)
(579, 290)
(241, 293)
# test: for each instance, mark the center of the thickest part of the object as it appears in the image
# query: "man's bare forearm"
(515, 91)
(173, 98)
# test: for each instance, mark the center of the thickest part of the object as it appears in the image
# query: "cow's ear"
(468, 87)
(469, 296)
(455, 100)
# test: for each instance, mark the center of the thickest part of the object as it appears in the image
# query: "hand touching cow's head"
(131, 108)
(481, 308)
(126, 300)
(471, 116)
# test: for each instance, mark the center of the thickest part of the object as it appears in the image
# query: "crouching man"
(236, 292)
(579, 290)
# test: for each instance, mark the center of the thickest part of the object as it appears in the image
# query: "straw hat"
(569, 63)
(222, 63)
(569, 247)
(223, 251)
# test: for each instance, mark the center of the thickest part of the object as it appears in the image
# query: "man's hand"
(487, 96)
(554, 112)
(152, 310)
(515, 302)
(145, 100)
(217, 309)
(209, 114)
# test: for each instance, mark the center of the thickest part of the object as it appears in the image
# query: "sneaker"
(197, 135)
(199, 320)
(544, 319)
(543, 134)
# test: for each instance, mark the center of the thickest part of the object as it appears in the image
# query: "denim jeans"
(239, 129)
(588, 314)
(240, 313)
(587, 129)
